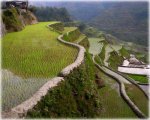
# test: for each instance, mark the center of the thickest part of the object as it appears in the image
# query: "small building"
(134, 66)
(22, 4)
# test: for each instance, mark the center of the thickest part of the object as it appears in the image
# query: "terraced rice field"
(95, 45)
(82, 36)
(35, 52)
(137, 96)
(109, 49)
(67, 29)
(30, 58)
(112, 103)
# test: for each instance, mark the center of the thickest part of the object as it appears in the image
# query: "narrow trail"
(121, 81)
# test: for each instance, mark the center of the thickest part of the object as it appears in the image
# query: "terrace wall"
(21, 110)
(72, 35)
(58, 26)
(123, 93)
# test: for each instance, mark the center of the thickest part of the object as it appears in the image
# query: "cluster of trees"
(51, 13)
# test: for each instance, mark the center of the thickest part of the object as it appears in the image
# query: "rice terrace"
(60, 62)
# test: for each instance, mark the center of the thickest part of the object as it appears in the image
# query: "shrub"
(11, 20)
(77, 96)
(72, 35)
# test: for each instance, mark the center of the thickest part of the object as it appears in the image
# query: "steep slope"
(15, 19)
(30, 58)
(126, 21)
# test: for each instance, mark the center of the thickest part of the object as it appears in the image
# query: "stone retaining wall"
(78, 61)
(136, 110)
(21, 110)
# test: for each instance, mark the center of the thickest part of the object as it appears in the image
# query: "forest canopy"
(51, 13)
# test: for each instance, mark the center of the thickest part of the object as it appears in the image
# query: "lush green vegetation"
(35, 52)
(124, 52)
(102, 54)
(139, 78)
(91, 31)
(85, 43)
(58, 27)
(50, 13)
(81, 37)
(113, 106)
(137, 96)
(29, 59)
(115, 60)
(72, 35)
(131, 26)
(143, 57)
(76, 97)
(11, 20)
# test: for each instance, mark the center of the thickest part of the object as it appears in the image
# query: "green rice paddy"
(95, 45)
(36, 52)
(30, 58)
(139, 78)
(113, 105)
(137, 96)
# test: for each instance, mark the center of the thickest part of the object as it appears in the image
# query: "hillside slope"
(15, 20)
(126, 20)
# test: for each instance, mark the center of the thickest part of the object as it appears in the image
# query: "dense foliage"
(127, 21)
(85, 43)
(124, 52)
(72, 35)
(115, 60)
(77, 96)
(11, 20)
(30, 58)
(51, 14)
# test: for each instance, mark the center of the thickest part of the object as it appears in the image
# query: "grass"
(139, 78)
(113, 106)
(114, 60)
(81, 37)
(11, 20)
(85, 43)
(76, 97)
(30, 58)
(102, 54)
(137, 96)
(35, 52)
(72, 35)
(124, 52)
(67, 29)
